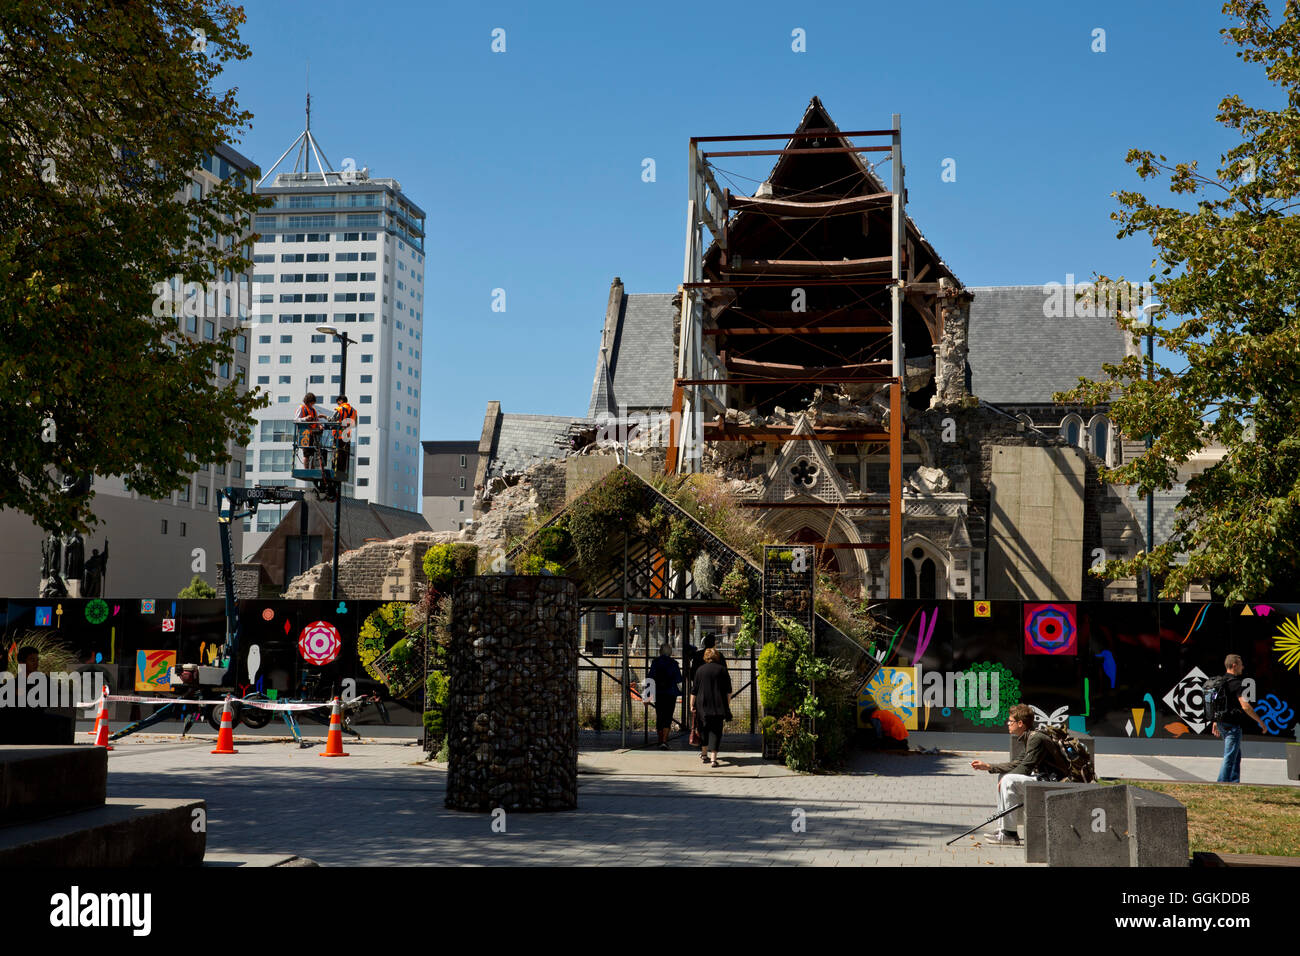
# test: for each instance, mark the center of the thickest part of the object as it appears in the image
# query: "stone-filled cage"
(512, 707)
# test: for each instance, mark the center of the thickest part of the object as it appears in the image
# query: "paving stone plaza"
(384, 806)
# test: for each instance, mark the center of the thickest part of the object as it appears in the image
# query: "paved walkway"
(383, 805)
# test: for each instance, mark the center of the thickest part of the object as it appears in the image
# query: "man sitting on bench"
(1033, 764)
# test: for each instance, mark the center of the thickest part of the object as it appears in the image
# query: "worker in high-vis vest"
(309, 431)
(346, 416)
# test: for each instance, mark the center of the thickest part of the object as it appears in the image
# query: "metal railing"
(601, 692)
(319, 446)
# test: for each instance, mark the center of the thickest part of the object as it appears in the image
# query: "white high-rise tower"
(338, 248)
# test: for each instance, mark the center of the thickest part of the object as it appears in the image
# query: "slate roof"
(359, 520)
(640, 355)
(522, 440)
(363, 519)
(1019, 356)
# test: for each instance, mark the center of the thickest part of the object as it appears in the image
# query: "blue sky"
(528, 162)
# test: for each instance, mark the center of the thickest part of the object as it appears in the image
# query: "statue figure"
(74, 557)
(51, 563)
(49, 556)
(53, 587)
(92, 581)
(77, 486)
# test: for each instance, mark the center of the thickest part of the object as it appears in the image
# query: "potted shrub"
(1293, 757)
(771, 742)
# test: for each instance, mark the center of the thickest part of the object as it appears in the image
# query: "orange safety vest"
(345, 414)
(310, 418)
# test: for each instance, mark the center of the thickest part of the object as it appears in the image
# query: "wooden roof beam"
(805, 330)
(811, 210)
(780, 434)
(807, 373)
(810, 267)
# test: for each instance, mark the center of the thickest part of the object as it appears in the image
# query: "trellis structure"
(639, 579)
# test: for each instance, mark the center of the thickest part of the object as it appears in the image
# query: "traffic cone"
(226, 735)
(334, 742)
(98, 716)
(101, 723)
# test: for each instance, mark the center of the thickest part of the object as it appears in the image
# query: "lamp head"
(1145, 320)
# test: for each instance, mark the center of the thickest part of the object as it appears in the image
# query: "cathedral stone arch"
(1098, 439)
(925, 569)
(814, 525)
(1072, 430)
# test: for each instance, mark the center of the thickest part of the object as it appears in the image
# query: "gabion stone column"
(512, 708)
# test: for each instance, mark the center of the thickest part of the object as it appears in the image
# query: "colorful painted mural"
(1126, 670)
(1109, 669)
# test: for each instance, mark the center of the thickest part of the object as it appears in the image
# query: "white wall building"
(156, 546)
(340, 249)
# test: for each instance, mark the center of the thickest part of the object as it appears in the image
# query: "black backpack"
(1218, 702)
(1069, 756)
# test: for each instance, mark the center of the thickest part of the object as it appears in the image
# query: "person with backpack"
(1041, 759)
(1227, 708)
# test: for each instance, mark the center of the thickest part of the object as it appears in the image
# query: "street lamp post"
(343, 339)
(1148, 323)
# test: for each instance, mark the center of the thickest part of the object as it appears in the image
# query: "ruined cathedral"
(822, 356)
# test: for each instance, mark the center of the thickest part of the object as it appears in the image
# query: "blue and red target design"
(1051, 629)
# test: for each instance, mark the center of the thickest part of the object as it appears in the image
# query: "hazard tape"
(260, 704)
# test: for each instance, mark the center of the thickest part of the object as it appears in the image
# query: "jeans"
(1230, 772)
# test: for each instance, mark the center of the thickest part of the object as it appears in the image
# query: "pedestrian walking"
(711, 702)
(1230, 710)
(667, 677)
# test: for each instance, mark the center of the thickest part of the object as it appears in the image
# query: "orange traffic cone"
(98, 716)
(226, 735)
(101, 723)
(334, 742)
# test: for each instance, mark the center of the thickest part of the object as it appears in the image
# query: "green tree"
(198, 588)
(1228, 274)
(106, 109)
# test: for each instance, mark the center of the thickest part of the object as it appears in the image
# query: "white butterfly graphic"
(1058, 718)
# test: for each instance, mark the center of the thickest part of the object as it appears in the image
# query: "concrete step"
(125, 831)
(38, 782)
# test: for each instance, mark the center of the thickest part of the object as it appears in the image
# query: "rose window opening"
(804, 472)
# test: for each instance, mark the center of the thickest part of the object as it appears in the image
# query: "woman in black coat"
(711, 701)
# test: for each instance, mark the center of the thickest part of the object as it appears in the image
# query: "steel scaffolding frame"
(703, 379)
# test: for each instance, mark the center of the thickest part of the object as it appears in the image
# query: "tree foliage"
(444, 563)
(1227, 274)
(106, 110)
(197, 588)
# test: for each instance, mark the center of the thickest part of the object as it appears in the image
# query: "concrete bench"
(54, 812)
(1094, 825)
(1036, 816)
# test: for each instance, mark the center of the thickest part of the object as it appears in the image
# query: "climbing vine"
(372, 641)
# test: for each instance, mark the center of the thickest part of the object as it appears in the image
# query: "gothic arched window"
(920, 576)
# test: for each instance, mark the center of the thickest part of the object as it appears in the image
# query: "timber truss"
(635, 577)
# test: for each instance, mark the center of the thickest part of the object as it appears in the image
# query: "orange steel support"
(674, 429)
(896, 490)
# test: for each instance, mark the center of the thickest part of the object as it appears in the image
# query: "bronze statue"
(92, 582)
(52, 585)
(51, 555)
(74, 556)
